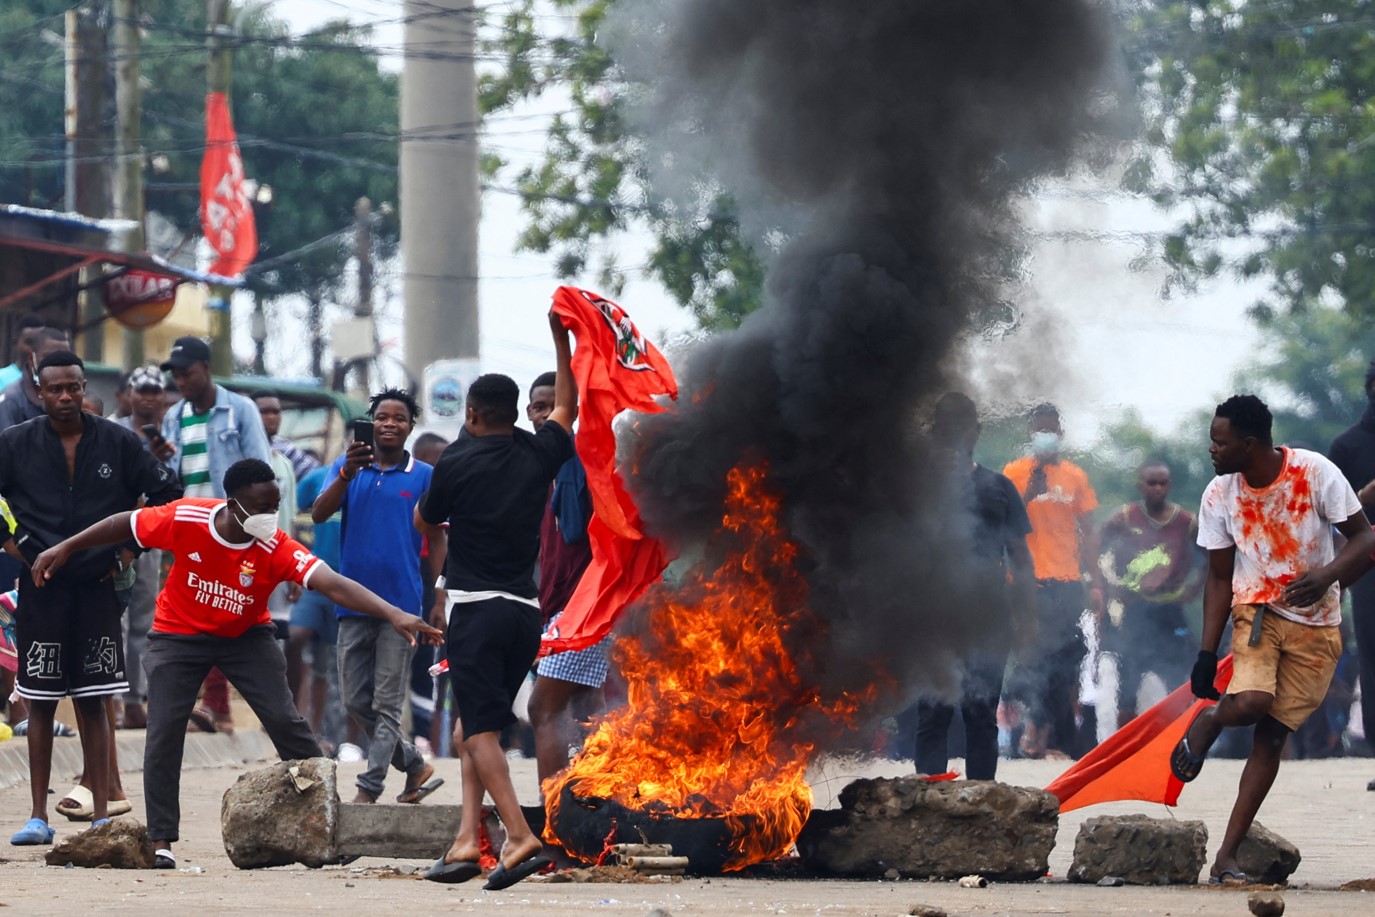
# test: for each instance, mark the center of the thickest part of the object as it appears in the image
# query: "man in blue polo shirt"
(377, 486)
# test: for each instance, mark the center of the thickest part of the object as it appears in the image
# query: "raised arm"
(359, 455)
(110, 531)
(344, 591)
(565, 388)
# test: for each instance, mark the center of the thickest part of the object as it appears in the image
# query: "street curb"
(245, 746)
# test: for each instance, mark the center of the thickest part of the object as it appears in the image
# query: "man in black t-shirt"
(491, 486)
(997, 533)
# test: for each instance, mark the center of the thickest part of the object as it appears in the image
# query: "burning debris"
(890, 143)
(695, 758)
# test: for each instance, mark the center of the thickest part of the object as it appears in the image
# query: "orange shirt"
(1055, 514)
(216, 587)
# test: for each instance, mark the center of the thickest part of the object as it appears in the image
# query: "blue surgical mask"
(1045, 443)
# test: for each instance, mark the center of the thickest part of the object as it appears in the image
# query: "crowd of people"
(157, 563)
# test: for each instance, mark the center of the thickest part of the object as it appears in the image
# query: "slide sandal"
(84, 806)
(453, 873)
(502, 877)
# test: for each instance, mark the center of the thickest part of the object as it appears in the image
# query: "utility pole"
(87, 187)
(440, 195)
(128, 145)
(362, 250)
(217, 78)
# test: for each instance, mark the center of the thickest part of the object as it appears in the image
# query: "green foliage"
(1266, 110)
(318, 154)
(592, 182)
(31, 100)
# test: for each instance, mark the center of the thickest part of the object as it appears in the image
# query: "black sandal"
(1184, 764)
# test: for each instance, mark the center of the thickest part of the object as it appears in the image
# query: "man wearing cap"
(146, 409)
(204, 433)
(1353, 452)
(210, 428)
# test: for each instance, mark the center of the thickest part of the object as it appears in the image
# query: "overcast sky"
(1117, 343)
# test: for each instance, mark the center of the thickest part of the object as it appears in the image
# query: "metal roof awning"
(68, 242)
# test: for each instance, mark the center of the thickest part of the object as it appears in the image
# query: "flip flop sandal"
(203, 720)
(85, 804)
(502, 877)
(35, 833)
(1184, 764)
(164, 859)
(453, 873)
(415, 794)
(1230, 877)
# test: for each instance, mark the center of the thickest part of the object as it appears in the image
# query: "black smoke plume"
(897, 136)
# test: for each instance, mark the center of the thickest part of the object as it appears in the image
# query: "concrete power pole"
(87, 185)
(128, 182)
(440, 196)
(218, 75)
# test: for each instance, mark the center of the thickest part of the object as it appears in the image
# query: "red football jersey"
(216, 587)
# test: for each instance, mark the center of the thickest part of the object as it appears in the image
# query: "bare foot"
(412, 794)
(363, 797)
(516, 852)
(462, 852)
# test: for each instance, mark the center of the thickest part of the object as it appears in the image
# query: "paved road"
(1323, 807)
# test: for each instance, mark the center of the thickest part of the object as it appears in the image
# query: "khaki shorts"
(1293, 662)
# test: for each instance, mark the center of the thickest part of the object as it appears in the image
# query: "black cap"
(186, 351)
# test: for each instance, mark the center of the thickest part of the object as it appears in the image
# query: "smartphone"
(362, 432)
(152, 432)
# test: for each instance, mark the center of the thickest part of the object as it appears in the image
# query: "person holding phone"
(377, 484)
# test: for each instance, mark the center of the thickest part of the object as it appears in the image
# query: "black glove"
(1204, 674)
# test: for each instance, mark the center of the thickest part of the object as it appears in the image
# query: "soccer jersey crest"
(630, 345)
(246, 572)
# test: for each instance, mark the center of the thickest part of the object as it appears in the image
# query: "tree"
(31, 100)
(593, 181)
(318, 155)
(1266, 112)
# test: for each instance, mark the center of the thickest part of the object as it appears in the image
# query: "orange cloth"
(1054, 538)
(1134, 762)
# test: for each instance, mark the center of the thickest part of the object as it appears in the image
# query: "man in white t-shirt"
(1267, 521)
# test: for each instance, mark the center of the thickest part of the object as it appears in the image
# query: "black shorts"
(69, 640)
(491, 646)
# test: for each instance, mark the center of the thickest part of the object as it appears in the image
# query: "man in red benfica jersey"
(228, 557)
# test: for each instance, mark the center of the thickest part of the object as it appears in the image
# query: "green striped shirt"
(195, 458)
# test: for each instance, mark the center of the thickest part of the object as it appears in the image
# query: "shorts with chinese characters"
(1293, 662)
(69, 640)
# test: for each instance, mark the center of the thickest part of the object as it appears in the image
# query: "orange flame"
(712, 726)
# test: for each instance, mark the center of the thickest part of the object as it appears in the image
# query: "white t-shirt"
(1281, 531)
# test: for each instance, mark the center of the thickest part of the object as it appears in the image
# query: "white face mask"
(262, 526)
(1045, 443)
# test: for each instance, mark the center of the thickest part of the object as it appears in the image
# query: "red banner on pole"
(226, 211)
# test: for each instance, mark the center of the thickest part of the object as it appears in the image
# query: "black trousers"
(1363, 617)
(176, 666)
(983, 685)
(1047, 677)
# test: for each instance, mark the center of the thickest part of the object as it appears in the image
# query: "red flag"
(1134, 762)
(226, 211)
(616, 370)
